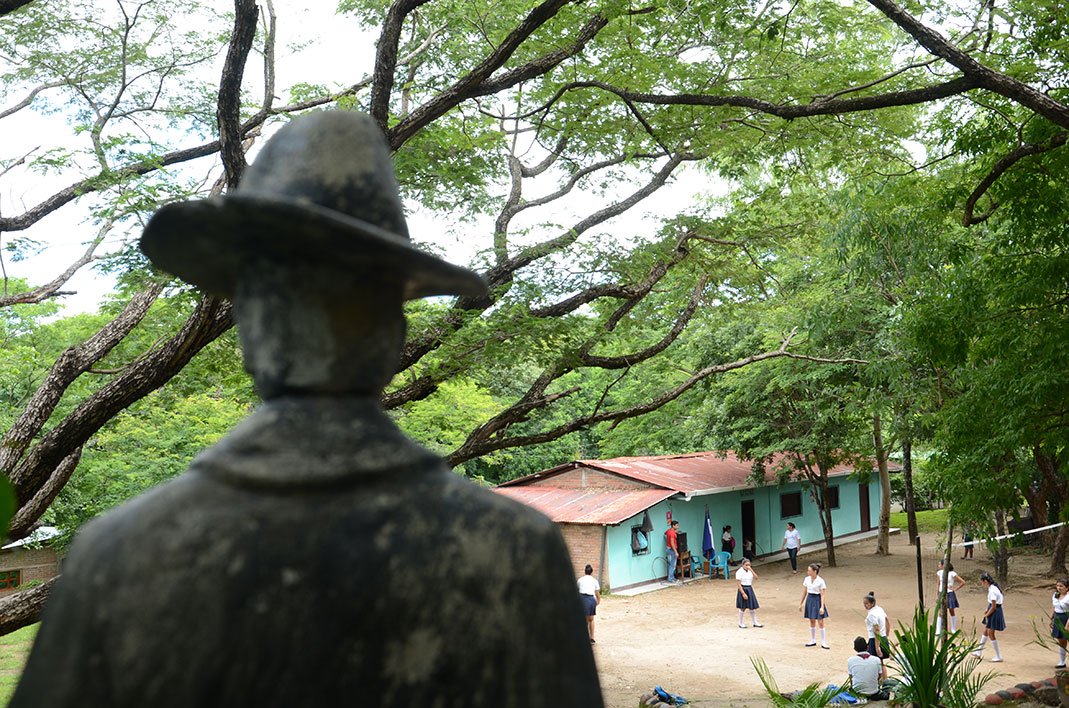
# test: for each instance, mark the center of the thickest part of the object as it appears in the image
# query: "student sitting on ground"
(866, 672)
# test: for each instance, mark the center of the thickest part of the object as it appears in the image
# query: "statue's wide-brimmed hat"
(322, 190)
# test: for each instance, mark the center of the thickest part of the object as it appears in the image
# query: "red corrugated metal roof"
(590, 505)
(694, 473)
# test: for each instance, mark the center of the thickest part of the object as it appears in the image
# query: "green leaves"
(936, 673)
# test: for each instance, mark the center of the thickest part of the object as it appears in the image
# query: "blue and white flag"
(708, 549)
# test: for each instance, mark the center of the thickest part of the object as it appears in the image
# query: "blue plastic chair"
(720, 560)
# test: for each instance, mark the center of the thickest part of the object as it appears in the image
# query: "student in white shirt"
(745, 599)
(879, 627)
(792, 541)
(994, 621)
(590, 593)
(954, 583)
(813, 595)
(1059, 617)
(866, 672)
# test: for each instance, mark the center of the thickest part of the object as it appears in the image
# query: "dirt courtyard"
(687, 638)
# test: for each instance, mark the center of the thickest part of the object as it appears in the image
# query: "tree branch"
(210, 319)
(1019, 153)
(477, 83)
(788, 111)
(52, 289)
(23, 608)
(382, 77)
(29, 98)
(482, 441)
(994, 81)
(7, 6)
(629, 360)
(228, 108)
(68, 367)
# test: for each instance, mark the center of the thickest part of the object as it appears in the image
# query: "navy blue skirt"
(749, 603)
(812, 607)
(883, 645)
(952, 600)
(590, 604)
(1058, 630)
(996, 621)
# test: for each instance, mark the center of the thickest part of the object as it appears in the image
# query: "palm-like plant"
(812, 696)
(936, 673)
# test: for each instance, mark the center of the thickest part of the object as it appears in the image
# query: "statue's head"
(313, 249)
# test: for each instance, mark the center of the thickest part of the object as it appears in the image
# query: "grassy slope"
(934, 521)
(13, 651)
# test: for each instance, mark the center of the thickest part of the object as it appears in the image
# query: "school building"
(600, 506)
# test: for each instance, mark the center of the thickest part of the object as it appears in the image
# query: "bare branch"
(502, 273)
(875, 82)
(269, 56)
(52, 289)
(29, 98)
(554, 155)
(422, 343)
(19, 161)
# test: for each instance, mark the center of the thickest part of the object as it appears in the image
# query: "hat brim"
(207, 242)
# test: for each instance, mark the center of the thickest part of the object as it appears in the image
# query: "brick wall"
(583, 477)
(584, 546)
(34, 564)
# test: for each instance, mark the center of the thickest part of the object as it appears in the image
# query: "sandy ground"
(687, 638)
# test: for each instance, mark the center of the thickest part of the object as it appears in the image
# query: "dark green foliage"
(933, 672)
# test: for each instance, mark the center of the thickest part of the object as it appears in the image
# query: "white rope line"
(1000, 538)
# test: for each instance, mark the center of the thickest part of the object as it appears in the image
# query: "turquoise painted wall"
(627, 569)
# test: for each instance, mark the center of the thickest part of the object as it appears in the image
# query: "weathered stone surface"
(315, 556)
(1047, 695)
(993, 699)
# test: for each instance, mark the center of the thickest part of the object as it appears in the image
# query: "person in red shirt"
(673, 552)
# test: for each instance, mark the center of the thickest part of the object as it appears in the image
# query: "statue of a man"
(315, 556)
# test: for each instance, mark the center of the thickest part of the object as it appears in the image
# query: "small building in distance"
(27, 560)
(600, 506)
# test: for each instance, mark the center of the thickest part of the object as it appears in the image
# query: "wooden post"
(920, 579)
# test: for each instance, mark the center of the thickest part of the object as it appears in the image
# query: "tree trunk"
(819, 480)
(1001, 549)
(1057, 558)
(1038, 497)
(24, 607)
(7, 6)
(907, 475)
(883, 537)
